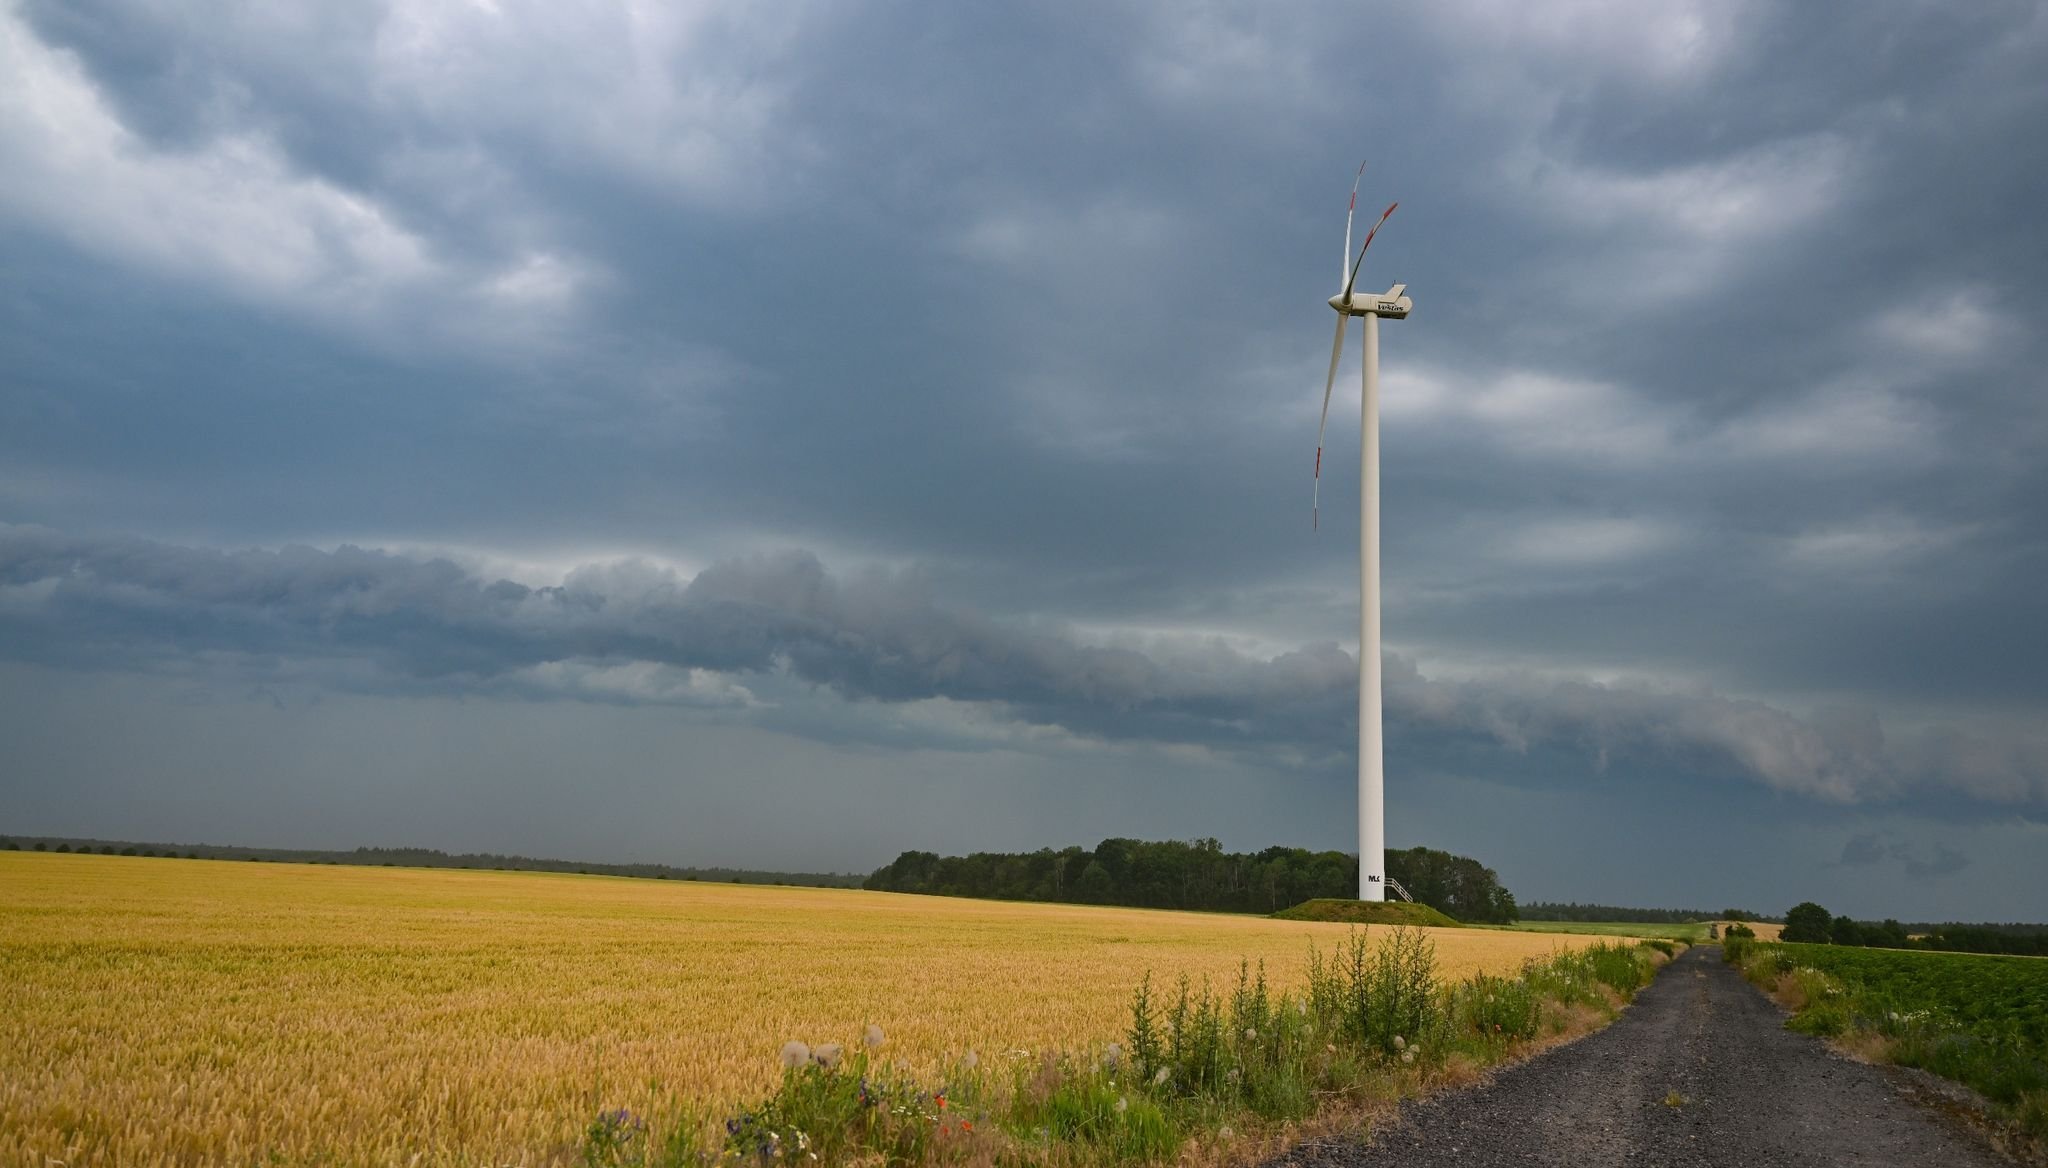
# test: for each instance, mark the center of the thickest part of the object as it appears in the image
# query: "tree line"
(1811, 924)
(1196, 874)
(1546, 910)
(429, 858)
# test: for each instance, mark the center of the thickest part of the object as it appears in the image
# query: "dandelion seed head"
(795, 1054)
(1160, 1078)
(1400, 1043)
(827, 1054)
(970, 1060)
(874, 1038)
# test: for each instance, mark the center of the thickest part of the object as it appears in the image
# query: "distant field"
(184, 1011)
(1692, 934)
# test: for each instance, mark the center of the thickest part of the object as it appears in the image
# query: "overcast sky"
(789, 434)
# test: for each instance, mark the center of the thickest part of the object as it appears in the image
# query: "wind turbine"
(1392, 304)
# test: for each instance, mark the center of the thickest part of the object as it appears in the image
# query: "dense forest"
(426, 858)
(1544, 910)
(1196, 875)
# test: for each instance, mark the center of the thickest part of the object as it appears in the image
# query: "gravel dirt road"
(1754, 1095)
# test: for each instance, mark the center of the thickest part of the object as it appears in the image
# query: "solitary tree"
(1807, 922)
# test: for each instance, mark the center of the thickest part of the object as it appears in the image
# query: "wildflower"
(826, 1054)
(940, 1099)
(874, 1038)
(966, 1126)
(795, 1054)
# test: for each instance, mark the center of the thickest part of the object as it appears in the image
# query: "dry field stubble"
(186, 1011)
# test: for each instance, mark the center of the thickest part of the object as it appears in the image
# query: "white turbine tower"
(1372, 824)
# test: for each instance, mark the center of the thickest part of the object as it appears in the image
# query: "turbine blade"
(1348, 212)
(1336, 353)
(1362, 249)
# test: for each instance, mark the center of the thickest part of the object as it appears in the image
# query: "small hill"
(1367, 912)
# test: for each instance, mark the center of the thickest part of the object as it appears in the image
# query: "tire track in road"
(1754, 1095)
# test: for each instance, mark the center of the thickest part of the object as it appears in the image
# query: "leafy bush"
(1807, 921)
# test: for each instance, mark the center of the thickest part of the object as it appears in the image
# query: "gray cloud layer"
(635, 632)
(1726, 373)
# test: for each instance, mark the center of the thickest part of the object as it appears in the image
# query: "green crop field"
(1691, 934)
(1980, 1019)
(1994, 997)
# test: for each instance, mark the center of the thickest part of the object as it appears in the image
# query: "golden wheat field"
(163, 1011)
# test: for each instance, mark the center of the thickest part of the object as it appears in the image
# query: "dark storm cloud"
(1872, 848)
(1725, 371)
(882, 637)
(899, 285)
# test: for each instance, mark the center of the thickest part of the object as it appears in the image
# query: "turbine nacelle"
(1391, 304)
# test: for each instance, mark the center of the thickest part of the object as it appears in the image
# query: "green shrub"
(1497, 1008)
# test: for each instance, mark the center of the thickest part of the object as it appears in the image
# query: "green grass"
(1691, 934)
(1367, 912)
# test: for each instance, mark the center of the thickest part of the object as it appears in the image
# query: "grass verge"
(1972, 1019)
(1202, 1074)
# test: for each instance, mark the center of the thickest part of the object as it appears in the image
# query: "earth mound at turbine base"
(1368, 912)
